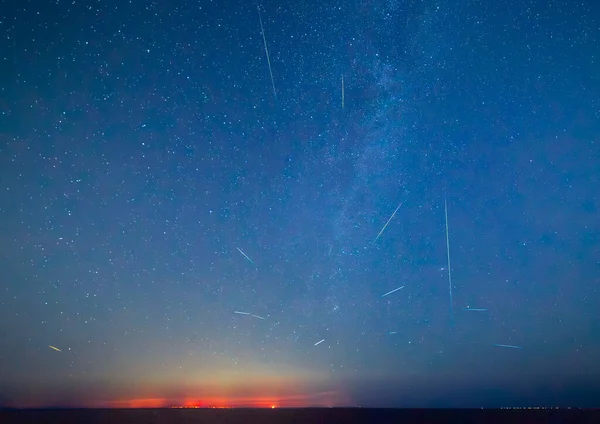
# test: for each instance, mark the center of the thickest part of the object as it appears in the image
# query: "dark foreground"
(308, 415)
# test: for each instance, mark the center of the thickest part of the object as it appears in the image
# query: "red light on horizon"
(223, 402)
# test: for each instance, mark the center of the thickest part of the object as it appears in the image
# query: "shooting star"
(319, 342)
(508, 346)
(55, 348)
(342, 92)
(475, 309)
(392, 332)
(390, 292)
(262, 30)
(449, 271)
(248, 313)
(246, 256)
(388, 221)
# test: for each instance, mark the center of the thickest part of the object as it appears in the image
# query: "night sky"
(191, 208)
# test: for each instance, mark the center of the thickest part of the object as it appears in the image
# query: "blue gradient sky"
(144, 146)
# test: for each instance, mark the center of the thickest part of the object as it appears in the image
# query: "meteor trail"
(55, 348)
(262, 30)
(508, 346)
(390, 292)
(246, 256)
(388, 221)
(248, 313)
(449, 272)
(475, 309)
(319, 342)
(342, 91)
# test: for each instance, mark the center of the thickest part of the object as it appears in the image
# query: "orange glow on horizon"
(320, 399)
(195, 398)
(268, 402)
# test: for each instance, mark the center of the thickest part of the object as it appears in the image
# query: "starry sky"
(205, 202)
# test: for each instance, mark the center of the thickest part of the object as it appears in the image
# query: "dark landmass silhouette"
(297, 415)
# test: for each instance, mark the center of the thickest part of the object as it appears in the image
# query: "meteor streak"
(245, 256)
